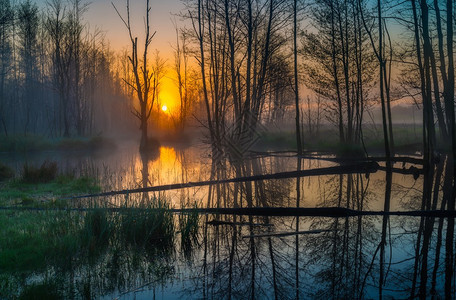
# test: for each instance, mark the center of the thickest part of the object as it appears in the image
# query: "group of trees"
(60, 78)
(253, 57)
(339, 64)
(57, 77)
(242, 55)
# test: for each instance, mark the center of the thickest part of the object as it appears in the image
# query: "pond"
(237, 256)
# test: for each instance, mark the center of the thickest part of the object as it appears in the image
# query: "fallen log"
(364, 167)
(330, 212)
(218, 223)
(281, 234)
(395, 159)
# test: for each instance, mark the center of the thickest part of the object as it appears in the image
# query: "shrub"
(5, 172)
(350, 151)
(18, 143)
(100, 143)
(46, 173)
(95, 143)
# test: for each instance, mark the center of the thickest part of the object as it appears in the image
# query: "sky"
(102, 15)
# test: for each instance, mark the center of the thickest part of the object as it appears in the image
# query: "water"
(243, 257)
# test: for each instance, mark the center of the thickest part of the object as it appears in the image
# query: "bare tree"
(6, 23)
(339, 65)
(296, 84)
(181, 67)
(143, 75)
(56, 27)
(27, 33)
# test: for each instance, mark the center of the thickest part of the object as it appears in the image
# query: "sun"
(164, 108)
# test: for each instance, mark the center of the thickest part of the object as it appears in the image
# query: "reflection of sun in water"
(164, 107)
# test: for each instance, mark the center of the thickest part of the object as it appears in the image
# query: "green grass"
(96, 231)
(16, 191)
(32, 240)
(188, 226)
(32, 243)
(151, 226)
(47, 172)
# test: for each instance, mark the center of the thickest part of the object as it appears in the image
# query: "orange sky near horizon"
(102, 15)
(163, 15)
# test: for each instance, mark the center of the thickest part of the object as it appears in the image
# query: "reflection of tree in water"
(264, 193)
(359, 257)
(340, 257)
(146, 157)
(237, 266)
(433, 268)
(125, 270)
(387, 256)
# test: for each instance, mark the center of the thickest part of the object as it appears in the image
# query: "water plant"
(97, 229)
(188, 226)
(140, 238)
(150, 225)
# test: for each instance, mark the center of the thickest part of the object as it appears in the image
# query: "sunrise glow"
(164, 108)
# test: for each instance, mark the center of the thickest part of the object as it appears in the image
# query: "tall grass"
(139, 238)
(97, 229)
(150, 226)
(188, 226)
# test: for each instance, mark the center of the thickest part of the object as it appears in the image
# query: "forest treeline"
(351, 54)
(239, 66)
(57, 76)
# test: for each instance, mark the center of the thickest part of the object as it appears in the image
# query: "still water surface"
(243, 256)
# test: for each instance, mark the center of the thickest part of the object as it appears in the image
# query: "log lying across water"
(292, 153)
(363, 167)
(331, 212)
(282, 234)
(220, 223)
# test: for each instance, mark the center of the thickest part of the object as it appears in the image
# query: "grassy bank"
(18, 192)
(42, 186)
(407, 140)
(32, 143)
